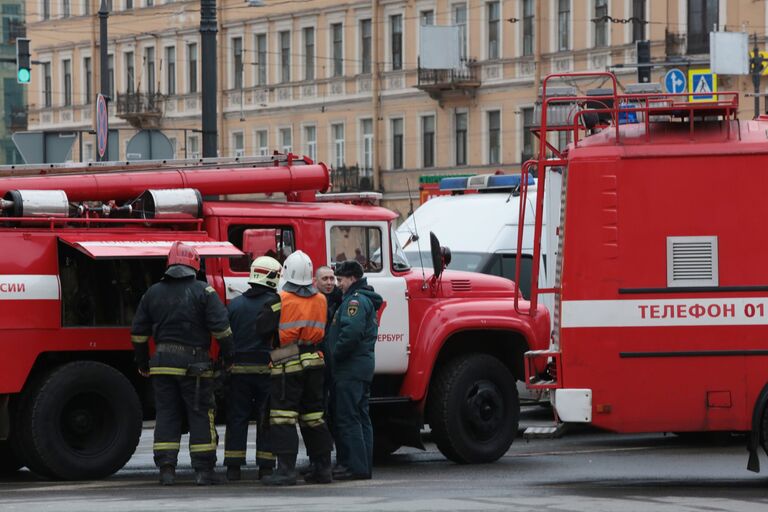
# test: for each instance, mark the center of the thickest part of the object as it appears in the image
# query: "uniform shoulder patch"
(352, 307)
(209, 289)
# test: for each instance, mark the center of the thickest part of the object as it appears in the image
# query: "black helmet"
(349, 268)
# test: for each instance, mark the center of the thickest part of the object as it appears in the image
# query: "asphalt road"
(584, 471)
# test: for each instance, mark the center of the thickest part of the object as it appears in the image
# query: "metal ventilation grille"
(461, 285)
(692, 261)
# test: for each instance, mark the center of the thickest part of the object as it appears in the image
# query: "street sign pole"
(756, 67)
(103, 68)
(208, 30)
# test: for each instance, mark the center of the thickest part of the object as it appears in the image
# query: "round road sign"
(102, 125)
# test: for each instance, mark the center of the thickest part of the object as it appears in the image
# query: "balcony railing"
(141, 110)
(351, 179)
(437, 82)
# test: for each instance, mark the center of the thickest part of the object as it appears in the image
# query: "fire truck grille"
(461, 285)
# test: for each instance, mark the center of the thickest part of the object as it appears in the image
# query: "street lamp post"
(208, 30)
(104, 60)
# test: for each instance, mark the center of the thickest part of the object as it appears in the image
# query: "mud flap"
(753, 440)
(5, 418)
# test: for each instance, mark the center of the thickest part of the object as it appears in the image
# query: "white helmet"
(265, 271)
(298, 269)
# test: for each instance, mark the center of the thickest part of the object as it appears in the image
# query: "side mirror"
(441, 256)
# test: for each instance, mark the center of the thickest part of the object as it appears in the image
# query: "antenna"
(415, 233)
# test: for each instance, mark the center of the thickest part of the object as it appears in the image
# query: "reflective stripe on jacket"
(302, 319)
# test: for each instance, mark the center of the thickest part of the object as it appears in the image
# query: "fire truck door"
(370, 244)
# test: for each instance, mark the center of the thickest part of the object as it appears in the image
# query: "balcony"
(439, 82)
(143, 111)
(351, 179)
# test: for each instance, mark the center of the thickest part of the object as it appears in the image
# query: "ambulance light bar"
(484, 182)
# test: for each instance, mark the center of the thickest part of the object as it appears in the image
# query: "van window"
(504, 265)
(103, 293)
(361, 243)
(275, 241)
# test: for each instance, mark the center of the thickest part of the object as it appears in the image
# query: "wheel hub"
(485, 409)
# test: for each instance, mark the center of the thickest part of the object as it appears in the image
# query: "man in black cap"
(351, 343)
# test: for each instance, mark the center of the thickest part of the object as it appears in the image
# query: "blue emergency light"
(494, 182)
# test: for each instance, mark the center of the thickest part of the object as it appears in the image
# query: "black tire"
(84, 421)
(21, 429)
(9, 463)
(473, 409)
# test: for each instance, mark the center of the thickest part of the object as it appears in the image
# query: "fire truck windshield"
(400, 261)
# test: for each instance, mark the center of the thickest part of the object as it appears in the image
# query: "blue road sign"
(102, 125)
(674, 81)
(704, 83)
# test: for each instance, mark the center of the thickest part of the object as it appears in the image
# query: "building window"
(130, 73)
(46, 9)
(285, 57)
(493, 29)
(238, 148)
(286, 143)
(128, 4)
(237, 63)
(310, 142)
(528, 27)
(47, 84)
(702, 16)
(494, 136)
(461, 138)
(337, 132)
(397, 143)
(309, 53)
(365, 46)
(66, 66)
(601, 22)
(261, 59)
(527, 152)
(111, 72)
(366, 128)
(170, 69)
(87, 8)
(428, 141)
(66, 9)
(396, 39)
(192, 67)
(427, 17)
(262, 142)
(149, 58)
(87, 152)
(638, 20)
(338, 60)
(88, 72)
(193, 146)
(564, 25)
(460, 20)
(149, 3)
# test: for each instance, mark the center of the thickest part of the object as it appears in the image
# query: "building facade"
(341, 82)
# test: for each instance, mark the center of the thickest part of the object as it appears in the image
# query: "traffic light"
(23, 61)
(643, 57)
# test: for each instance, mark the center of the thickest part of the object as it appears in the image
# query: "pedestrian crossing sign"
(703, 83)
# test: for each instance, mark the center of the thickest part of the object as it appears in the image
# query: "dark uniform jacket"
(353, 333)
(180, 310)
(255, 318)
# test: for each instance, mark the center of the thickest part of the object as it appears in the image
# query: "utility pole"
(756, 68)
(104, 61)
(208, 32)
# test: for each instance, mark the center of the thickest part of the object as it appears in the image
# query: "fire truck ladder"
(617, 109)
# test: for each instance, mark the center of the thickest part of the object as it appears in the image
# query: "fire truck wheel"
(9, 464)
(473, 409)
(21, 431)
(85, 421)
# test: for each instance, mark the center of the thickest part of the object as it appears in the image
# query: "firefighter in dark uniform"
(297, 378)
(351, 342)
(181, 313)
(255, 318)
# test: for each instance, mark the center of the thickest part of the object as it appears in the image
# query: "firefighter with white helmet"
(297, 378)
(255, 317)
(182, 313)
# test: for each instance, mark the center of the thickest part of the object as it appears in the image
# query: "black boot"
(265, 472)
(233, 473)
(305, 470)
(167, 475)
(286, 471)
(321, 470)
(206, 477)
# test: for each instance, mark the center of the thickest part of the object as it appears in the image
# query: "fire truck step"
(552, 432)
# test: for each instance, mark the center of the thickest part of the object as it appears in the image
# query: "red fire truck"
(80, 247)
(662, 284)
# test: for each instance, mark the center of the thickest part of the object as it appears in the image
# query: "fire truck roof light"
(500, 181)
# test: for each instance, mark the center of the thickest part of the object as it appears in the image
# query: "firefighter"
(181, 313)
(297, 378)
(255, 317)
(351, 341)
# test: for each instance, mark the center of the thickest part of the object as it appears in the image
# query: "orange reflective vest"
(302, 319)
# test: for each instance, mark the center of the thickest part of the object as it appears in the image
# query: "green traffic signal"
(23, 76)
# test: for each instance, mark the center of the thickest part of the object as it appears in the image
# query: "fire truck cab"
(83, 245)
(660, 298)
